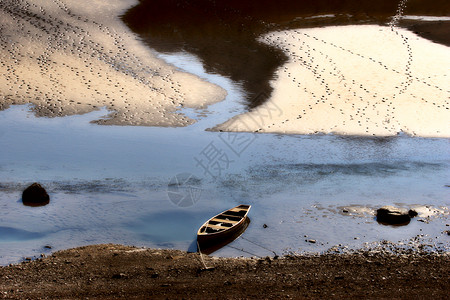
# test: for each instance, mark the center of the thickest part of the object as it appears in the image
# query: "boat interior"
(225, 220)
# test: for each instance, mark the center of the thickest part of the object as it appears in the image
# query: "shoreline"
(124, 272)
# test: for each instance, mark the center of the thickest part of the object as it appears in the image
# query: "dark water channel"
(223, 34)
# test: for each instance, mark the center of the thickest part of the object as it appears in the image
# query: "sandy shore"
(71, 57)
(122, 272)
(354, 80)
(66, 58)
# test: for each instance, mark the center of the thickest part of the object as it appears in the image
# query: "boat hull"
(224, 227)
(208, 246)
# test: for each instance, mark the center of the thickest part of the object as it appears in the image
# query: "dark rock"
(412, 213)
(265, 226)
(394, 216)
(35, 195)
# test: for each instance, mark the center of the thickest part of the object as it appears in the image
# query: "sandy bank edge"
(338, 81)
(73, 57)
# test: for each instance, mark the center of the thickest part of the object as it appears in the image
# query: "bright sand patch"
(73, 56)
(354, 80)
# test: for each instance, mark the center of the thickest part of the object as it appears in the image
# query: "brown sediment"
(122, 272)
(70, 58)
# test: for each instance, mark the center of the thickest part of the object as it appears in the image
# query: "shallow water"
(116, 184)
(111, 184)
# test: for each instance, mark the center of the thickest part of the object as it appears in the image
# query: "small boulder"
(394, 216)
(35, 195)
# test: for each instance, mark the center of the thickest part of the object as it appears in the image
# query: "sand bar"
(354, 80)
(71, 57)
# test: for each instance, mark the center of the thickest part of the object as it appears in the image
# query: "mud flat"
(122, 272)
(71, 57)
(354, 80)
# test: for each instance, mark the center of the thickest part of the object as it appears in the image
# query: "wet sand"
(352, 86)
(225, 38)
(354, 80)
(66, 58)
(122, 272)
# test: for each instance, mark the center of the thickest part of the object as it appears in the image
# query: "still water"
(112, 184)
(155, 186)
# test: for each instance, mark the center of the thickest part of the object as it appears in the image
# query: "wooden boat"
(224, 226)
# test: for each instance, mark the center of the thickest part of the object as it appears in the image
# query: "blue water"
(116, 184)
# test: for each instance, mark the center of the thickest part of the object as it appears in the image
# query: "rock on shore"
(35, 195)
(394, 215)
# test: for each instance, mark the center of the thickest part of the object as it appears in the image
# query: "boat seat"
(217, 227)
(223, 220)
(231, 217)
(238, 214)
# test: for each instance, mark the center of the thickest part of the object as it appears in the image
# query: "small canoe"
(223, 226)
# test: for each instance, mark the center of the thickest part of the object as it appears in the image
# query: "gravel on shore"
(124, 272)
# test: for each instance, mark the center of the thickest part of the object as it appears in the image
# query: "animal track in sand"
(340, 80)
